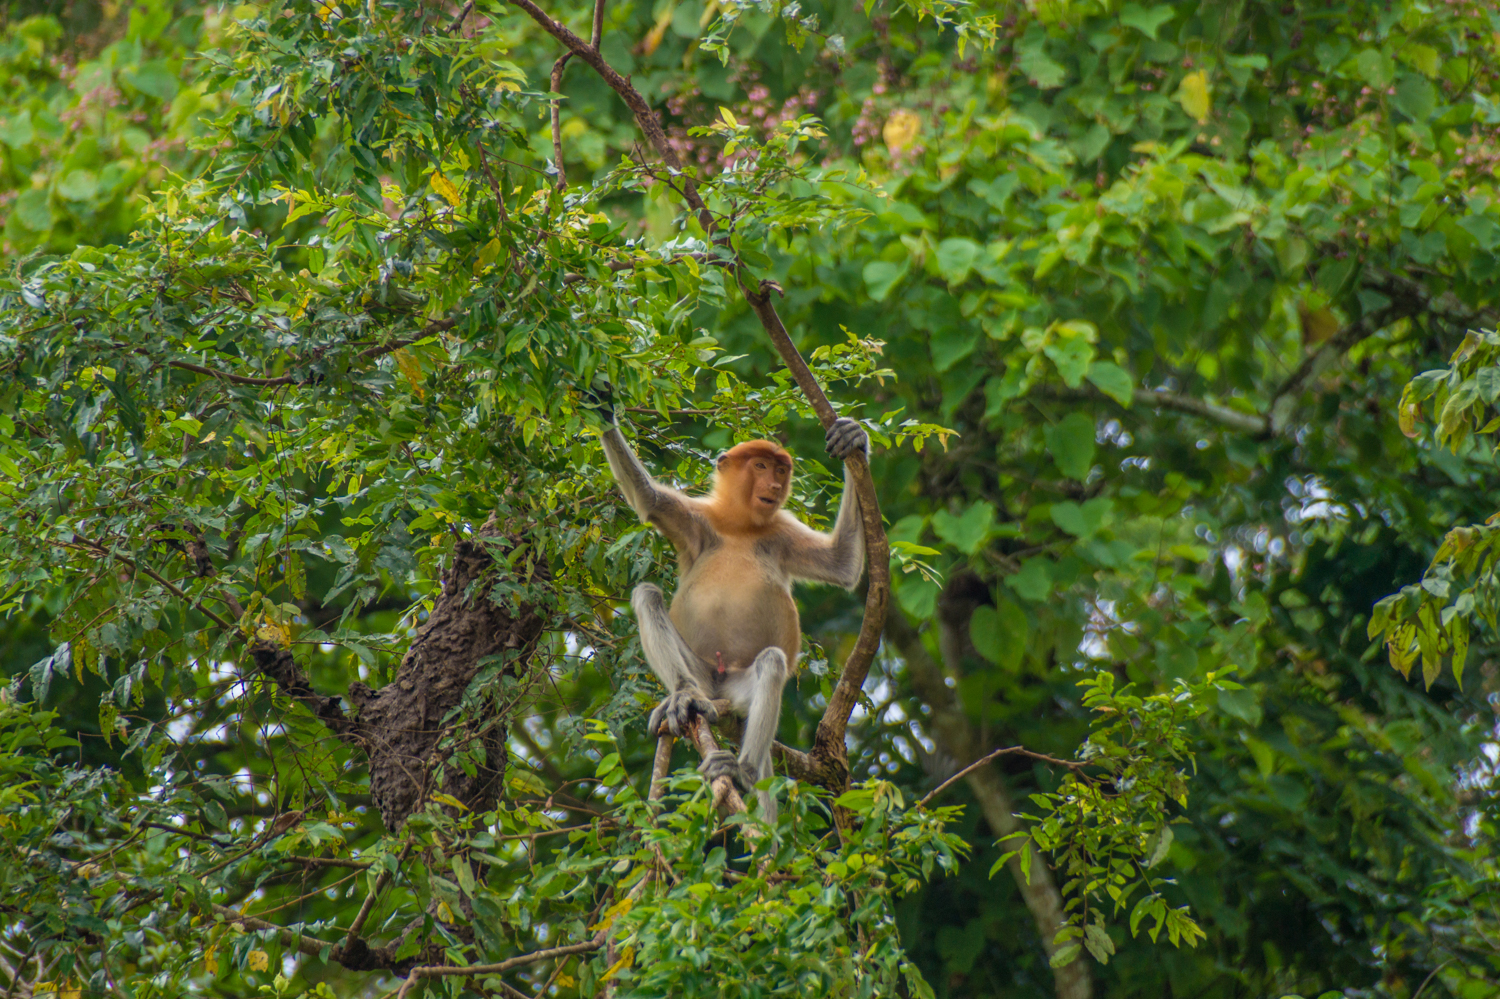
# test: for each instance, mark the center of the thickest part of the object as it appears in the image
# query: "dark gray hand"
(845, 437)
(679, 710)
(599, 396)
(722, 763)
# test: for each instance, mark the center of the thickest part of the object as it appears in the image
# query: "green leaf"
(1098, 942)
(79, 185)
(155, 78)
(917, 595)
(1000, 633)
(1034, 580)
(968, 531)
(32, 210)
(1484, 229)
(1065, 955)
(1073, 356)
(952, 345)
(1037, 65)
(1195, 94)
(1145, 21)
(1158, 846)
(882, 275)
(1071, 444)
(1081, 521)
(1375, 68)
(1113, 381)
(1458, 634)
(955, 258)
(1416, 98)
(16, 129)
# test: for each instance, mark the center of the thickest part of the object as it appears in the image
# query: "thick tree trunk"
(955, 736)
(402, 723)
(400, 727)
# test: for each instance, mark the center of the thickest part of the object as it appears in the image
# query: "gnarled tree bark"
(402, 722)
(400, 727)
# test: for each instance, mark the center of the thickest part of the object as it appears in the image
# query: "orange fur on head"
(757, 449)
(732, 498)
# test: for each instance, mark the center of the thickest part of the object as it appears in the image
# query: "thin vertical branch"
(557, 76)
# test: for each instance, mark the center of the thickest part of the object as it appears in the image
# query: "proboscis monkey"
(733, 627)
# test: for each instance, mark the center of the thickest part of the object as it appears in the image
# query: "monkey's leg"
(685, 676)
(757, 693)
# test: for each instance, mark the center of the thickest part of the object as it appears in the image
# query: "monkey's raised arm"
(839, 556)
(662, 507)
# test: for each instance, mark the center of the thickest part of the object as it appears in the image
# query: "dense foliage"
(1129, 298)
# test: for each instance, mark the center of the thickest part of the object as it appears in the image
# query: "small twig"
(1428, 980)
(458, 19)
(353, 865)
(365, 909)
(311, 946)
(443, 971)
(557, 75)
(183, 832)
(172, 588)
(1020, 750)
(557, 149)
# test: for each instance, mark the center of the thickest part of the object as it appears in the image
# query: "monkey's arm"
(654, 503)
(839, 556)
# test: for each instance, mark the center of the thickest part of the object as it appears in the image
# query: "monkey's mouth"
(767, 500)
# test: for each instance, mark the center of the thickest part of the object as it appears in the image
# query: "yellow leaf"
(210, 961)
(211, 435)
(444, 186)
(258, 960)
(625, 961)
(566, 981)
(450, 801)
(444, 912)
(901, 129)
(1194, 95)
(729, 118)
(325, 11)
(620, 908)
(490, 253)
(412, 369)
(1317, 324)
(273, 632)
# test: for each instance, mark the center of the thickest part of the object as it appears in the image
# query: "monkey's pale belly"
(737, 626)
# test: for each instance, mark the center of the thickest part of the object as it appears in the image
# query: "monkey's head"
(756, 477)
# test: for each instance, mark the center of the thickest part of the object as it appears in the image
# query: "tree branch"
(458, 19)
(991, 757)
(311, 946)
(278, 664)
(442, 325)
(557, 74)
(442, 971)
